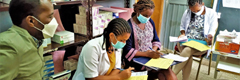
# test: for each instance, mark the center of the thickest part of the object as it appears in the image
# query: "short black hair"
(193, 2)
(118, 26)
(141, 5)
(20, 9)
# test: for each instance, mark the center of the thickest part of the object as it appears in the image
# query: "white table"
(224, 66)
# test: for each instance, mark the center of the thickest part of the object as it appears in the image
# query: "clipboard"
(144, 60)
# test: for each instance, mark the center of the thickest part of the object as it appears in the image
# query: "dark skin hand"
(154, 54)
(209, 39)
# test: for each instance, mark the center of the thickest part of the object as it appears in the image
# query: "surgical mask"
(49, 29)
(143, 19)
(118, 45)
(200, 12)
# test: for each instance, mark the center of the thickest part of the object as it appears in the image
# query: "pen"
(122, 69)
(151, 49)
(154, 50)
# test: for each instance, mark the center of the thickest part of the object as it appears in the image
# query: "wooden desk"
(224, 66)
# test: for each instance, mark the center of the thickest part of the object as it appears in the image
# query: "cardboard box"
(95, 9)
(125, 15)
(105, 17)
(81, 19)
(63, 37)
(82, 10)
(49, 41)
(95, 30)
(45, 43)
(227, 47)
(70, 64)
(81, 29)
(95, 27)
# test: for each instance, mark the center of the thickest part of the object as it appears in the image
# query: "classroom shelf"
(3, 7)
(70, 2)
(227, 67)
(226, 54)
(79, 39)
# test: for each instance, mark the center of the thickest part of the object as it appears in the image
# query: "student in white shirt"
(199, 23)
(101, 57)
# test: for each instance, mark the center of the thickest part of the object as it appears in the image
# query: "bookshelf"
(79, 39)
(3, 7)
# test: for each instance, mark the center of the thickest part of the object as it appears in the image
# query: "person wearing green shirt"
(21, 53)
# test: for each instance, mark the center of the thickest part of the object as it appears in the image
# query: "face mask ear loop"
(37, 28)
(115, 37)
(37, 20)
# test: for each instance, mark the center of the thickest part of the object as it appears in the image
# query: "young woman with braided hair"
(101, 56)
(198, 23)
(144, 37)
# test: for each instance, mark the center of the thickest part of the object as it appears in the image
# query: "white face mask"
(49, 29)
(200, 12)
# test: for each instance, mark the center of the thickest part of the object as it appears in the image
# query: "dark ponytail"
(117, 26)
(192, 16)
(134, 13)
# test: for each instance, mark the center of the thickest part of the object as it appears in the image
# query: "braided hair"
(117, 26)
(142, 5)
(193, 3)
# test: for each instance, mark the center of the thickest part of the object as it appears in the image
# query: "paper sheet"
(176, 39)
(160, 63)
(197, 45)
(138, 76)
(231, 3)
(176, 57)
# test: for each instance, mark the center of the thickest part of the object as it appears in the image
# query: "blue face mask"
(118, 45)
(143, 19)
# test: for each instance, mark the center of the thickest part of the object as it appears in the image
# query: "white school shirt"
(210, 23)
(93, 60)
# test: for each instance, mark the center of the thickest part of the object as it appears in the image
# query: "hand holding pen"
(209, 39)
(154, 54)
